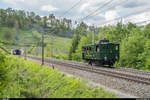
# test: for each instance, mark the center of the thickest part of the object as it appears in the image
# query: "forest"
(134, 44)
(19, 19)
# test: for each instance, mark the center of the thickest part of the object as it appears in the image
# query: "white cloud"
(14, 2)
(48, 8)
(109, 15)
(101, 15)
(138, 18)
(89, 5)
(83, 7)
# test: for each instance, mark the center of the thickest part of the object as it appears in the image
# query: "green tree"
(130, 50)
(3, 74)
(48, 50)
(81, 30)
(83, 41)
(8, 35)
(147, 31)
(75, 42)
(145, 57)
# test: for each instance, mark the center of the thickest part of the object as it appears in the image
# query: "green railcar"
(103, 53)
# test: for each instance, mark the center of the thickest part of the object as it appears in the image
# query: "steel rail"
(128, 77)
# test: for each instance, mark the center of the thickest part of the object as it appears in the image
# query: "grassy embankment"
(12, 35)
(27, 79)
(20, 37)
(59, 48)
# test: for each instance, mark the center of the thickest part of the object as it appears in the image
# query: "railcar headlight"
(116, 57)
(105, 58)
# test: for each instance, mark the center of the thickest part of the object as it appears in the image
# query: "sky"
(106, 10)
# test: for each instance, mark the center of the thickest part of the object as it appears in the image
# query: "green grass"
(30, 80)
(3, 49)
(59, 48)
(60, 44)
(11, 31)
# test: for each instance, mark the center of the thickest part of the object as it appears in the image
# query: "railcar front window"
(117, 48)
(97, 49)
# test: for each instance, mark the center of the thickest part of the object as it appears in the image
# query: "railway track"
(104, 71)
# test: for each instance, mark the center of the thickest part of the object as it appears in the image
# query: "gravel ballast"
(122, 88)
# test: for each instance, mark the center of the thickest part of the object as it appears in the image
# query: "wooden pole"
(42, 49)
(52, 50)
(25, 54)
(93, 36)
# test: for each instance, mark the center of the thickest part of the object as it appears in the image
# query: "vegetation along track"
(105, 71)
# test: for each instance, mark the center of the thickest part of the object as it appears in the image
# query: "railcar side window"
(83, 49)
(117, 48)
(97, 49)
(105, 47)
(89, 48)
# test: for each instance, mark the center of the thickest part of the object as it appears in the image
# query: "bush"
(30, 80)
(77, 56)
(133, 40)
(145, 57)
(131, 49)
(3, 73)
(4, 50)
(61, 56)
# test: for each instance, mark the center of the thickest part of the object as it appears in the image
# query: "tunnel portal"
(17, 52)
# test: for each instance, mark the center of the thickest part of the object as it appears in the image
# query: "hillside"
(13, 36)
(24, 38)
(20, 19)
(26, 79)
(56, 47)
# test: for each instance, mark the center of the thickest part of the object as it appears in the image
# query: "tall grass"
(30, 80)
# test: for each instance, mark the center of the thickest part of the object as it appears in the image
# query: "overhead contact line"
(104, 9)
(142, 22)
(135, 13)
(107, 3)
(71, 8)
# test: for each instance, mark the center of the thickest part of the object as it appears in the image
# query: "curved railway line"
(127, 74)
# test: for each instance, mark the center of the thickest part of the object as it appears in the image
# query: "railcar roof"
(99, 44)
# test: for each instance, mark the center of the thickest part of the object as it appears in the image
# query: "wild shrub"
(131, 49)
(3, 73)
(30, 80)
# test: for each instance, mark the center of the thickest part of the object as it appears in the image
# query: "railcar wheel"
(90, 63)
(110, 64)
